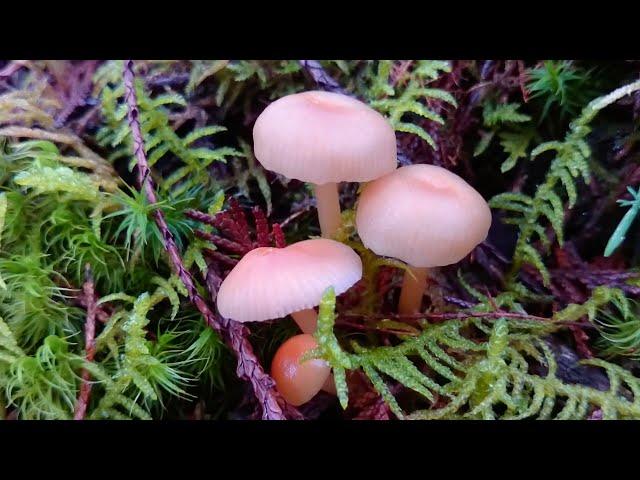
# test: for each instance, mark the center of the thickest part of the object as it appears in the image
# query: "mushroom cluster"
(423, 215)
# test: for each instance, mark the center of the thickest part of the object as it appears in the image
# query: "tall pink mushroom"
(269, 283)
(425, 216)
(325, 138)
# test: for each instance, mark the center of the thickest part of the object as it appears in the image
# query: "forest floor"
(130, 190)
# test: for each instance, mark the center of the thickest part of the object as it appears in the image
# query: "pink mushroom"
(325, 138)
(269, 283)
(425, 216)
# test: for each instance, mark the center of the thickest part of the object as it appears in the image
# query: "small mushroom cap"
(323, 137)
(298, 382)
(270, 283)
(423, 215)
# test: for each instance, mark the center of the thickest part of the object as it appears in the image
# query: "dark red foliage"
(278, 236)
(262, 228)
(234, 233)
(365, 402)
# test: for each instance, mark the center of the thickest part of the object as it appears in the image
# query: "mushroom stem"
(307, 320)
(413, 287)
(328, 204)
(330, 386)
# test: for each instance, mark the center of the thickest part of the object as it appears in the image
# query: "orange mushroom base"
(298, 382)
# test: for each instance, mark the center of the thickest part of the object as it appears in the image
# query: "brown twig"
(88, 289)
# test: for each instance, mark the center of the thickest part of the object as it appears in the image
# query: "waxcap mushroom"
(423, 215)
(298, 381)
(323, 137)
(269, 283)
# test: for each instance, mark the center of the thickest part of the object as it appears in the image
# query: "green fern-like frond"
(515, 144)
(487, 375)
(511, 127)
(59, 179)
(494, 115)
(401, 101)
(161, 141)
(570, 163)
(243, 77)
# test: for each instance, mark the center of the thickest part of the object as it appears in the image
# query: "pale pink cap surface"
(423, 215)
(322, 137)
(270, 283)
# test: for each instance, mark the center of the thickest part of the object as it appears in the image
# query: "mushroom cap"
(298, 382)
(323, 137)
(270, 283)
(423, 215)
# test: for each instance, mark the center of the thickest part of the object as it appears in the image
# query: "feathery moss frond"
(400, 101)
(569, 163)
(487, 375)
(162, 143)
(560, 84)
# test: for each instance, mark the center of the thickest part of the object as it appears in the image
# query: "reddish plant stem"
(448, 316)
(363, 327)
(102, 315)
(203, 218)
(248, 366)
(146, 183)
(220, 257)
(88, 289)
(221, 242)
